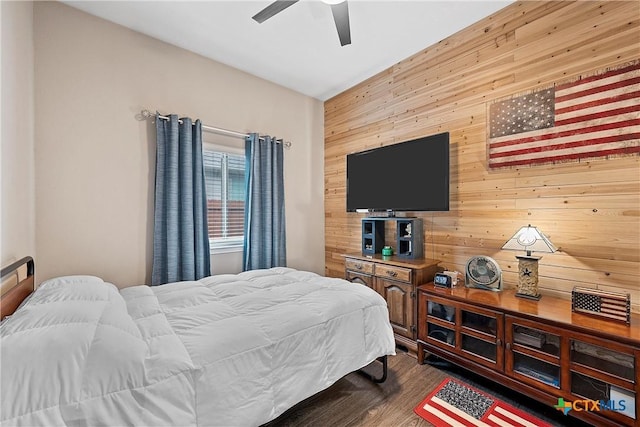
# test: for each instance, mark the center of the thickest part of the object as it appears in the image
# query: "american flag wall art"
(589, 117)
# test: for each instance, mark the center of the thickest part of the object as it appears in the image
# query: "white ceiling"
(298, 48)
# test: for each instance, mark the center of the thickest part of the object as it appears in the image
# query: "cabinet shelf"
(600, 375)
(535, 353)
(486, 335)
(479, 348)
(372, 236)
(549, 350)
(409, 238)
(442, 322)
(408, 241)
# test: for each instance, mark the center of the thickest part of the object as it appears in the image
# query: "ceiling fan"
(339, 8)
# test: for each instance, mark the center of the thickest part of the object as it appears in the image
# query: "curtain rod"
(146, 114)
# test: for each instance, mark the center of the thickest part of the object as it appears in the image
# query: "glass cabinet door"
(442, 334)
(441, 318)
(533, 353)
(441, 311)
(481, 335)
(536, 369)
(604, 374)
(537, 339)
(479, 322)
(609, 361)
(473, 332)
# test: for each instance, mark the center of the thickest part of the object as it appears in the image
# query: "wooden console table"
(539, 348)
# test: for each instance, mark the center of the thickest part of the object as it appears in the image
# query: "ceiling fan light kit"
(339, 9)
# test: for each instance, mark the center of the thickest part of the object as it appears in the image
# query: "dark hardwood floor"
(356, 401)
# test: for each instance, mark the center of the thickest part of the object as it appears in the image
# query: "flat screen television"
(408, 176)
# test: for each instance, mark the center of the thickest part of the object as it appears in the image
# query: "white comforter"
(225, 350)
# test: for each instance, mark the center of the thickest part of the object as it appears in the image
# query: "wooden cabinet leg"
(420, 353)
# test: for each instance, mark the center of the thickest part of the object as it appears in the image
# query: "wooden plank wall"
(591, 210)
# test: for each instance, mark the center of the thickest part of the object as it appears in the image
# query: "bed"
(225, 350)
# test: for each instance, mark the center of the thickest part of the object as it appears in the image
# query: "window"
(224, 182)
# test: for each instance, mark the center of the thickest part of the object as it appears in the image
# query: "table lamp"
(529, 239)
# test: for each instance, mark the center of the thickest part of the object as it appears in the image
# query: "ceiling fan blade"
(341, 17)
(273, 9)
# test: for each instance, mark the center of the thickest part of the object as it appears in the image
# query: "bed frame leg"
(382, 378)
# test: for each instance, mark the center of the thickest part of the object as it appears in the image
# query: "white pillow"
(58, 281)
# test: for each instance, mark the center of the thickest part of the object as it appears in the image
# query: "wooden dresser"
(396, 280)
(539, 348)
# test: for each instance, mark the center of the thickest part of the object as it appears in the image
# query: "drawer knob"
(392, 273)
(359, 266)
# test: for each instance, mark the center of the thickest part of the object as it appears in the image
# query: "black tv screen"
(408, 176)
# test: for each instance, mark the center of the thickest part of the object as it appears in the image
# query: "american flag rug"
(456, 404)
(589, 117)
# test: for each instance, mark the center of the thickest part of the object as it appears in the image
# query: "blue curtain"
(264, 217)
(180, 234)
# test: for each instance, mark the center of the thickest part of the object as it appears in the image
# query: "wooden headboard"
(19, 280)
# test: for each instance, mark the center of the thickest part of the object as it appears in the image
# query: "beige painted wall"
(95, 161)
(18, 194)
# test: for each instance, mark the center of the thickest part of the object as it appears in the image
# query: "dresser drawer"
(359, 266)
(393, 272)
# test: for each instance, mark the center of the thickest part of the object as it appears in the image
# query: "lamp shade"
(530, 239)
